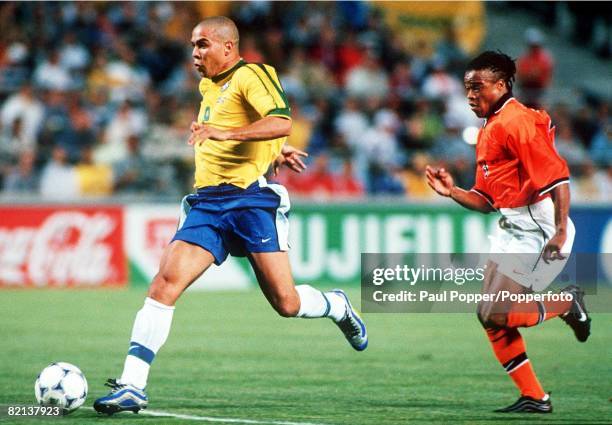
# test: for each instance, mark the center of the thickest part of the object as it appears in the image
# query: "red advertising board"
(62, 246)
(158, 234)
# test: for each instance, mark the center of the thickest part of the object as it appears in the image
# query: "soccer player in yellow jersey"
(242, 125)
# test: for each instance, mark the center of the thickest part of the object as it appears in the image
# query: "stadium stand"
(108, 90)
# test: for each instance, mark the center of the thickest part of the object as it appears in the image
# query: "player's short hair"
(499, 63)
(225, 27)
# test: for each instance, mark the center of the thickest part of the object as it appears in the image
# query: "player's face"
(208, 51)
(483, 90)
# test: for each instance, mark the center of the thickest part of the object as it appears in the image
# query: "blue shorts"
(227, 219)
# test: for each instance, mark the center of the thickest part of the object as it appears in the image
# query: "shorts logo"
(265, 240)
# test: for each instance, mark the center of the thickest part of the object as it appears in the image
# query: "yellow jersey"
(245, 93)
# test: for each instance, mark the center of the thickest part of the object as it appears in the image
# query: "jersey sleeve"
(532, 141)
(261, 88)
(480, 187)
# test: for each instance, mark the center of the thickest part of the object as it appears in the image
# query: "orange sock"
(509, 348)
(526, 380)
(535, 312)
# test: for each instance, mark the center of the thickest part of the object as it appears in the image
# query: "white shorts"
(519, 240)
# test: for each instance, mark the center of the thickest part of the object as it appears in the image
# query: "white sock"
(337, 309)
(314, 303)
(151, 329)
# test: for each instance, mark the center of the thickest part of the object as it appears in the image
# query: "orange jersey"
(516, 160)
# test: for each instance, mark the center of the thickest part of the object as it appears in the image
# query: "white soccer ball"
(63, 385)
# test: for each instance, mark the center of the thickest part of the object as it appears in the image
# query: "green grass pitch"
(230, 356)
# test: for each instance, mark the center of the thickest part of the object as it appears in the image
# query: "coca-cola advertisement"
(62, 247)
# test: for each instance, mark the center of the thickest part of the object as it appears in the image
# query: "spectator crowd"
(96, 99)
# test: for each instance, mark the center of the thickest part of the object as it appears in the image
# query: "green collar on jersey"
(225, 74)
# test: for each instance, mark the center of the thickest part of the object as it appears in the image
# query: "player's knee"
(492, 320)
(287, 305)
(487, 316)
(497, 320)
(164, 289)
(481, 313)
(481, 318)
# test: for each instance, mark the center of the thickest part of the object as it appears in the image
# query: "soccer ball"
(63, 385)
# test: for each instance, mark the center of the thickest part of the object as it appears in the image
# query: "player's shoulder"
(519, 121)
(512, 110)
(517, 115)
(514, 115)
(516, 109)
(253, 69)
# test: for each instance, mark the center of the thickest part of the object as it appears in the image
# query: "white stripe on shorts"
(282, 222)
(185, 207)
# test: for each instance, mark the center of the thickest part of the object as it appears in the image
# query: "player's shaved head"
(224, 28)
(215, 45)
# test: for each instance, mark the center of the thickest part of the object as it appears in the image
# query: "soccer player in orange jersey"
(520, 175)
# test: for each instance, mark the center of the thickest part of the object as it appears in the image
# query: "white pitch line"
(218, 420)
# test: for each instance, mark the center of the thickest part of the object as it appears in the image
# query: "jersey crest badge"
(485, 169)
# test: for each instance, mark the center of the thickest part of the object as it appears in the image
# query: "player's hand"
(195, 126)
(552, 250)
(202, 132)
(439, 180)
(291, 158)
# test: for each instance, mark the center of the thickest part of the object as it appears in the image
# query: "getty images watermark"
(393, 283)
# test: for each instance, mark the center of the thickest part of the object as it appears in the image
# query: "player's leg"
(182, 263)
(570, 308)
(273, 273)
(276, 283)
(517, 314)
(509, 346)
(532, 271)
(492, 313)
(519, 274)
(260, 229)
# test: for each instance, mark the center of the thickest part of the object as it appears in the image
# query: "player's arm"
(267, 128)
(561, 199)
(442, 182)
(471, 200)
(547, 171)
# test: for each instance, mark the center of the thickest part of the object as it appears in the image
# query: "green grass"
(230, 356)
